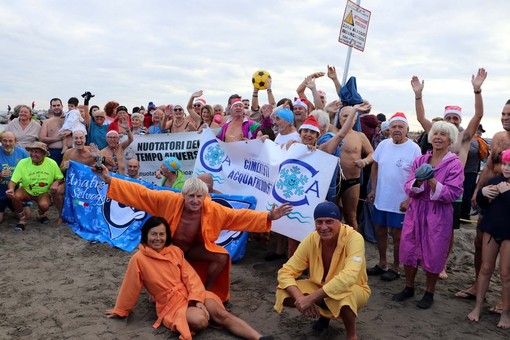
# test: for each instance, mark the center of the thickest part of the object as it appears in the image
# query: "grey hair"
(194, 185)
(322, 118)
(443, 126)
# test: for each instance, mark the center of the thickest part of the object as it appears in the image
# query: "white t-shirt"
(394, 165)
(283, 139)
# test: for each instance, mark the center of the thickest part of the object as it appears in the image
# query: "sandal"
(19, 227)
(390, 275)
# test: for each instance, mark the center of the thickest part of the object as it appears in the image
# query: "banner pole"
(348, 58)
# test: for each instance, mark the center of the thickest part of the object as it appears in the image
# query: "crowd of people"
(385, 183)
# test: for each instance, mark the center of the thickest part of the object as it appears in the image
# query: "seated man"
(195, 223)
(36, 176)
(338, 284)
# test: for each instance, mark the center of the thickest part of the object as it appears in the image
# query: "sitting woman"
(182, 303)
(171, 173)
(495, 200)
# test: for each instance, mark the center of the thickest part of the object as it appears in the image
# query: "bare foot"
(469, 293)
(504, 321)
(59, 220)
(498, 309)
(474, 315)
(443, 275)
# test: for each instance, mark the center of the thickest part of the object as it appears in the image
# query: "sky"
(134, 52)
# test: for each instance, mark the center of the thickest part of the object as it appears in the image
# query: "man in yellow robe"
(334, 254)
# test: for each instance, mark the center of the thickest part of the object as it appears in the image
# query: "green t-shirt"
(36, 179)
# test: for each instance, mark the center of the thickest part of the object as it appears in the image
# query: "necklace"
(178, 125)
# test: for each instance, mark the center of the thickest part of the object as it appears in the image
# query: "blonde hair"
(194, 185)
(443, 126)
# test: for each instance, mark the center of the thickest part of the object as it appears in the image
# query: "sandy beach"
(55, 285)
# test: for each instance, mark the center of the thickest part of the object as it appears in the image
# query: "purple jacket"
(427, 228)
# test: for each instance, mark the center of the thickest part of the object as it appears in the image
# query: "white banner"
(273, 175)
(151, 151)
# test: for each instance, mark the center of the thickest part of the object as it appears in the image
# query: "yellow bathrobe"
(215, 218)
(346, 282)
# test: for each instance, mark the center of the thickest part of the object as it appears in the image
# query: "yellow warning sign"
(349, 19)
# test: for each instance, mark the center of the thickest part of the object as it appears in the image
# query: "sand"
(55, 285)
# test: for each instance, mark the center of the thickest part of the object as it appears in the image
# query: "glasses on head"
(177, 109)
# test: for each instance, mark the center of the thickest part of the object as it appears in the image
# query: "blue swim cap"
(286, 115)
(327, 210)
(172, 164)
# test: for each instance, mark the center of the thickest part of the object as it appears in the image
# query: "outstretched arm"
(418, 100)
(477, 82)
(190, 109)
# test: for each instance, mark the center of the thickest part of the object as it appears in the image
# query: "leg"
(349, 319)
(350, 199)
(381, 232)
(58, 199)
(231, 322)
(443, 275)
(217, 261)
(504, 272)
(17, 200)
(43, 202)
(395, 234)
(490, 251)
(292, 246)
(408, 291)
(471, 291)
(197, 319)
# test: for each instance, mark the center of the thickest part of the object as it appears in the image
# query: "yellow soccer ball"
(259, 79)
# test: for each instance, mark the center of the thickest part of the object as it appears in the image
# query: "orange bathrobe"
(215, 218)
(170, 279)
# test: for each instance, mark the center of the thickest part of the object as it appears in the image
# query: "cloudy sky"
(162, 51)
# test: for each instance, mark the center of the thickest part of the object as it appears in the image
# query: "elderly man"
(10, 155)
(195, 223)
(238, 127)
(36, 176)
(114, 152)
(393, 159)
(337, 287)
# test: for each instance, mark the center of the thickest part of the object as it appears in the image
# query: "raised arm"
(302, 87)
(334, 77)
(310, 83)
(332, 144)
(190, 109)
(166, 123)
(477, 82)
(418, 102)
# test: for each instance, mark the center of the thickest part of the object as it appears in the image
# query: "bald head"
(133, 166)
(208, 180)
(8, 142)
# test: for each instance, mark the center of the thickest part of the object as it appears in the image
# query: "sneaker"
(407, 293)
(426, 301)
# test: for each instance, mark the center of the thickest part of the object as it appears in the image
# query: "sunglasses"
(197, 105)
(177, 110)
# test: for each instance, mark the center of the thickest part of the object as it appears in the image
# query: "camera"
(99, 163)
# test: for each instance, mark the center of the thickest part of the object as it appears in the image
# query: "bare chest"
(188, 231)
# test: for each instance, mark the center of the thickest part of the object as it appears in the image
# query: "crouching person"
(334, 254)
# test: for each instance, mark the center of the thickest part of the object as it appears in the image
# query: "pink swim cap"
(505, 156)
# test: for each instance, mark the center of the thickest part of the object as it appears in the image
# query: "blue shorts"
(387, 219)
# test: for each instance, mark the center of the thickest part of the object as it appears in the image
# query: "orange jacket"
(170, 279)
(215, 218)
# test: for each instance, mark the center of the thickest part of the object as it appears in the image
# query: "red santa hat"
(200, 101)
(310, 123)
(398, 116)
(453, 109)
(300, 102)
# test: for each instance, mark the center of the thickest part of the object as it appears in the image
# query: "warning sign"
(354, 29)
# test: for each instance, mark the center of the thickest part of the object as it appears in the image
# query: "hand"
(307, 307)
(9, 192)
(124, 123)
(94, 150)
(266, 110)
(276, 213)
(54, 187)
(103, 173)
(333, 106)
(478, 80)
(363, 107)
(66, 165)
(371, 196)
(360, 163)
(473, 200)
(490, 191)
(417, 85)
(311, 147)
(169, 110)
(268, 83)
(158, 174)
(317, 75)
(424, 172)
(404, 205)
(111, 314)
(197, 94)
(332, 73)
(503, 187)
(310, 82)
(201, 306)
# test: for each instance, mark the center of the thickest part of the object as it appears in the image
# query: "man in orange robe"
(195, 223)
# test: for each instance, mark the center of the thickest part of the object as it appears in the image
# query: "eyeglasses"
(177, 110)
